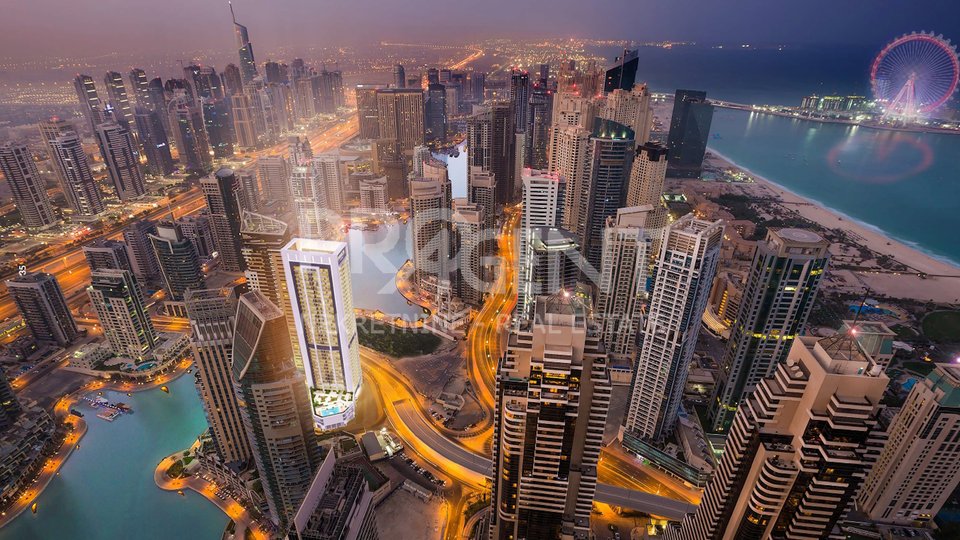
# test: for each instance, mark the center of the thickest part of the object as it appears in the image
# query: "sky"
(67, 28)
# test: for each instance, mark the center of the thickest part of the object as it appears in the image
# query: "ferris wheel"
(915, 74)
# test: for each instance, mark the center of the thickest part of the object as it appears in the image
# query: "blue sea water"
(106, 488)
(905, 184)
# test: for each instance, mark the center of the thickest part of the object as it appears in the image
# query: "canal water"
(106, 488)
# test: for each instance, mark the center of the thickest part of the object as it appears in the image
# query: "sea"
(904, 184)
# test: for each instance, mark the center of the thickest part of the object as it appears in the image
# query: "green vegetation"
(176, 470)
(904, 333)
(920, 368)
(187, 460)
(742, 207)
(387, 339)
(942, 326)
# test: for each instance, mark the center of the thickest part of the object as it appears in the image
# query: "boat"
(165, 389)
(33, 508)
(180, 493)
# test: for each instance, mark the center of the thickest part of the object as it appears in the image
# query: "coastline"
(941, 280)
(881, 127)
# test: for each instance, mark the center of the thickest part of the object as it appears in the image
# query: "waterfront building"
(683, 275)
(153, 139)
(777, 299)
(321, 297)
(491, 141)
(469, 280)
(140, 250)
(118, 301)
(248, 66)
(798, 450)
(211, 313)
(919, 466)
(26, 441)
(622, 289)
(689, 132)
(647, 173)
(543, 201)
(622, 74)
(117, 95)
(552, 397)
(632, 109)
(27, 186)
(316, 190)
(106, 254)
(274, 172)
(430, 226)
(178, 259)
(90, 104)
(274, 407)
(435, 114)
(121, 159)
(43, 308)
(79, 182)
(222, 191)
(400, 122)
(482, 191)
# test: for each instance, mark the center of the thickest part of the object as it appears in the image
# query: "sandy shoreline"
(942, 282)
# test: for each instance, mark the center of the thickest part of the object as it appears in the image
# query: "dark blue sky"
(68, 27)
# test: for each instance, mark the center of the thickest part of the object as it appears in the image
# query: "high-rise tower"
(120, 156)
(492, 142)
(43, 308)
(118, 301)
(29, 191)
(248, 66)
(72, 161)
(689, 132)
(222, 191)
(777, 299)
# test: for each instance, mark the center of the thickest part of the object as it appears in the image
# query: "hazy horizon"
(52, 28)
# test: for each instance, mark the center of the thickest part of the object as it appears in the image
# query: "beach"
(925, 278)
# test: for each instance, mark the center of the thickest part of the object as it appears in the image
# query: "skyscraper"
(179, 262)
(399, 77)
(43, 308)
(90, 104)
(468, 251)
(222, 191)
(153, 138)
(250, 196)
(198, 230)
(232, 80)
(118, 301)
(72, 161)
(339, 505)
(50, 129)
(321, 297)
(27, 186)
(274, 172)
(211, 314)
(244, 121)
(315, 188)
(777, 299)
(537, 138)
(248, 66)
(117, 94)
(400, 121)
(274, 407)
(623, 72)
(632, 109)
(622, 289)
(219, 126)
(647, 174)
(492, 143)
(482, 190)
(435, 121)
(543, 199)
(367, 110)
(262, 238)
(682, 279)
(102, 254)
(609, 157)
(689, 131)
(186, 122)
(918, 467)
(519, 97)
(140, 249)
(546, 443)
(120, 156)
(799, 448)
(430, 223)
(140, 85)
